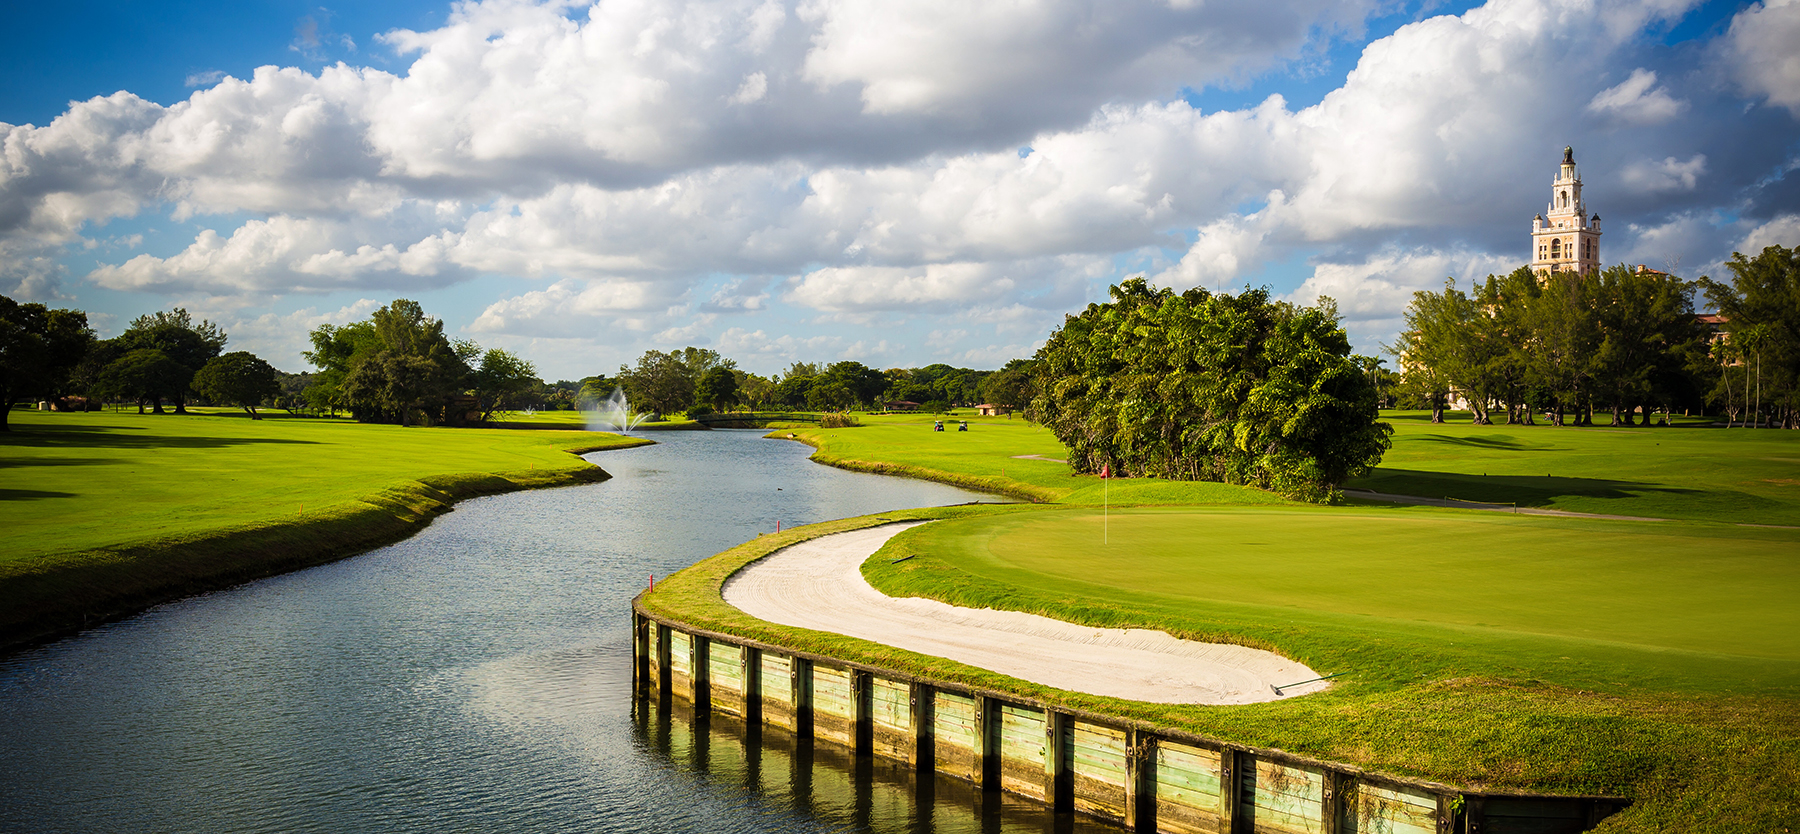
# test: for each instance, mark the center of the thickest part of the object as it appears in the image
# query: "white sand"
(819, 585)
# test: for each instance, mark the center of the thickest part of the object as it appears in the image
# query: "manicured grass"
(1575, 602)
(1740, 475)
(105, 513)
(1422, 705)
(1656, 660)
(1714, 474)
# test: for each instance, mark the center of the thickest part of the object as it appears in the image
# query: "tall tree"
(501, 382)
(660, 382)
(175, 334)
(718, 389)
(238, 377)
(146, 376)
(39, 347)
(1765, 293)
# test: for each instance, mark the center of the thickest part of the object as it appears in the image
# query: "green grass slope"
(1713, 474)
(1655, 660)
(104, 514)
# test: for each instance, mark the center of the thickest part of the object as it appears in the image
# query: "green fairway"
(105, 514)
(1578, 602)
(1742, 475)
(81, 481)
(1688, 472)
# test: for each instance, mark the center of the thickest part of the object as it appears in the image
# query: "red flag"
(1105, 470)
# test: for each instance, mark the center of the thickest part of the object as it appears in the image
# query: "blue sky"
(845, 180)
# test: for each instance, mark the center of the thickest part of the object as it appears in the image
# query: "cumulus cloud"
(1634, 102)
(1760, 47)
(1648, 176)
(1372, 293)
(283, 254)
(646, 165)
(1781, 231)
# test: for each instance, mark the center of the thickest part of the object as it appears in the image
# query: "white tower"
(1565, 239)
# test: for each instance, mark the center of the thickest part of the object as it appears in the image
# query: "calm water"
(473, 678)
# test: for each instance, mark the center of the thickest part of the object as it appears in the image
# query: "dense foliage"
(1566, 344)
(399, 367)
(1198, 386)
(39, 347)
(238, 377)
(1758, 361)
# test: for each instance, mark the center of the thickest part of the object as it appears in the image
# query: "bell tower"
(1565, 239)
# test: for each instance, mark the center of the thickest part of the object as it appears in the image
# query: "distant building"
(991, 410)
(901, 405)
(1565, 239)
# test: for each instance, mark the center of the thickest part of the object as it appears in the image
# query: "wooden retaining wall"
(1142, 778)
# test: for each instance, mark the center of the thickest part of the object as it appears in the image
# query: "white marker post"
(1105, 504)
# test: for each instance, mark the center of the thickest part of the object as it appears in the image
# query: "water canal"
(476, 677)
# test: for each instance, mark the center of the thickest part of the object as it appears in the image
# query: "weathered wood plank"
(1022, 750)
(681, 652)
(890, 704)
(777, 680)
(1376, 809)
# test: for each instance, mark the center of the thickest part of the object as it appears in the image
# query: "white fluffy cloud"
(1762, 52)
(649, 164)
(1634, 102)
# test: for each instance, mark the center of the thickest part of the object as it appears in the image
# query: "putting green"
(1654, 603)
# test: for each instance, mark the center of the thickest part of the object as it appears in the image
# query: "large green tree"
(177, 336)
(39, 347)
(1763, 298)
(1198, 386)
(659, 382)
(502, 382)
(238, 377)
(395, 367)
(146, 376)
(718, 389)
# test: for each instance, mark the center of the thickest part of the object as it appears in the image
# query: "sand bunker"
(819, 585)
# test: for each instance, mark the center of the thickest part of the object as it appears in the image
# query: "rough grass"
(105, 514)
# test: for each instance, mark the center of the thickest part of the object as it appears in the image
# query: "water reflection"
(828, 784)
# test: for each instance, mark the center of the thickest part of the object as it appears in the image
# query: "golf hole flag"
(1105, 470)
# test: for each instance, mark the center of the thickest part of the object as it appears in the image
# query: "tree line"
(1626, 341)
(399, 366)
(700, 380)
(161, 358)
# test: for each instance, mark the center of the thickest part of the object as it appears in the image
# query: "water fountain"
(614, 414)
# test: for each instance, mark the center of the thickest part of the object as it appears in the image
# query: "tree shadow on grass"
(1524, 490)
(75, 436)
(1499, 442)
(32, 494)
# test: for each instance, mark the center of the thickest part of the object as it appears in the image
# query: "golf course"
(1654, 654)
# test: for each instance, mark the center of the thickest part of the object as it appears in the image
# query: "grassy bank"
(1657, 660)
(106, 514)
(1697, 744)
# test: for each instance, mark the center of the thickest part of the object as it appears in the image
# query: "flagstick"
(1106, 510)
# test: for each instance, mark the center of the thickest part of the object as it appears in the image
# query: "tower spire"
(1564, 239)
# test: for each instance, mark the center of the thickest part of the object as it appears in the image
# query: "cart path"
(818, 584)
